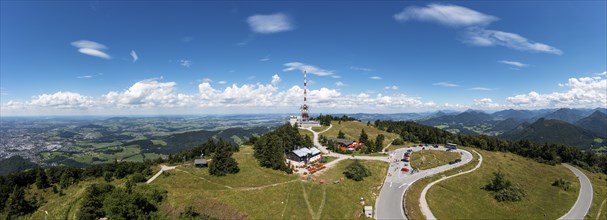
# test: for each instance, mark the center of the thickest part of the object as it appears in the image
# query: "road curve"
(389, 204)
(423, 203)
(584, 199)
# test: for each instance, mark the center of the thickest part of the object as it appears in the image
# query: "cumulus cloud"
(155, 96)
(445, 84)
(308, 68)
(601, 74)
(340, 84)
(375, 77)
(275, 79)
(222, 82)
(485, 103)
(450, 15)
(134, 56)
(391, 88)
(588, 92)
(91, 48)
(513, 63)
(268, 24)
(484, 37)
(185, 63)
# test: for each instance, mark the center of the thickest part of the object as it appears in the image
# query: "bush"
(357, 171)
(510, 194)
(138, 178)
(398, 141)
(563, 184)
(504, 190)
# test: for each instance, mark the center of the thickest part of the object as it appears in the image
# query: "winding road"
(584, 199)
(423, 203)
(390, 203)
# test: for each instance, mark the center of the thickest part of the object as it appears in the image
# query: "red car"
(404, 169)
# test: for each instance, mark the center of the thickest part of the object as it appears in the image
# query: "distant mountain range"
(582, 128)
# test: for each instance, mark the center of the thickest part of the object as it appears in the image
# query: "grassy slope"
(248, 193)
(599, 189)
(352, 130)
(413, 193)
(462, 197)
(306, 132)
(427, 159)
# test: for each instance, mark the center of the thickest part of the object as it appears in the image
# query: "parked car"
(404, 169)
(405, 160)
(435, 146)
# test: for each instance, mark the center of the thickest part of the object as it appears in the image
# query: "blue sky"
(248, 57)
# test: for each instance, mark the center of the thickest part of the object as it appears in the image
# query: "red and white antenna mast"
(304, 108)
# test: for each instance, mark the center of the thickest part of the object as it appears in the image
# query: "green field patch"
(261, 193)
(159, 142)
(352, 130)
(321, 128)
(427, 159)
(467, 199)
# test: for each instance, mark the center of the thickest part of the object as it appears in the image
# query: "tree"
(41, 179)
(16, 204)
(498, 182)
(363, 138)
(223, 163)
(341, 134)
(357, 171)
(379, 142)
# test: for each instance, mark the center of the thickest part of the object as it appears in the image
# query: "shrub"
(563, 184)
(138, 178)
(357, 171)
(504, 190)
(510, 194)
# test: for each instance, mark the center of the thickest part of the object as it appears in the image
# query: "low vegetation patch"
(356, 171)
(563, 184)
(504, 190)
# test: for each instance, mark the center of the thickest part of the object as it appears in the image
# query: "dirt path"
(322, 203)
(162, 169)
(600, 209)
(305, 195)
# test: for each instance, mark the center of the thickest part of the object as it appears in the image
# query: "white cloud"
(335, 77)
(222, 82)
(583, 92)
(450, 15)
(340, 84)
(361, 69)
(513, 63)
(185, 63)
(153, 96)
(391, 88)
(308, 68)
(375, 77)
(134, 56)
(267, 24)
(485, 103)
(89, 76)
(484, 37)
(91, 48)
(264, 59)
(445, 84)
(207, 80)
(481, 89)
(275, 79)
(601, 74)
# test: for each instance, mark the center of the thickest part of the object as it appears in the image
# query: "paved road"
(584, 199)
(423, 203)
(390, 203)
